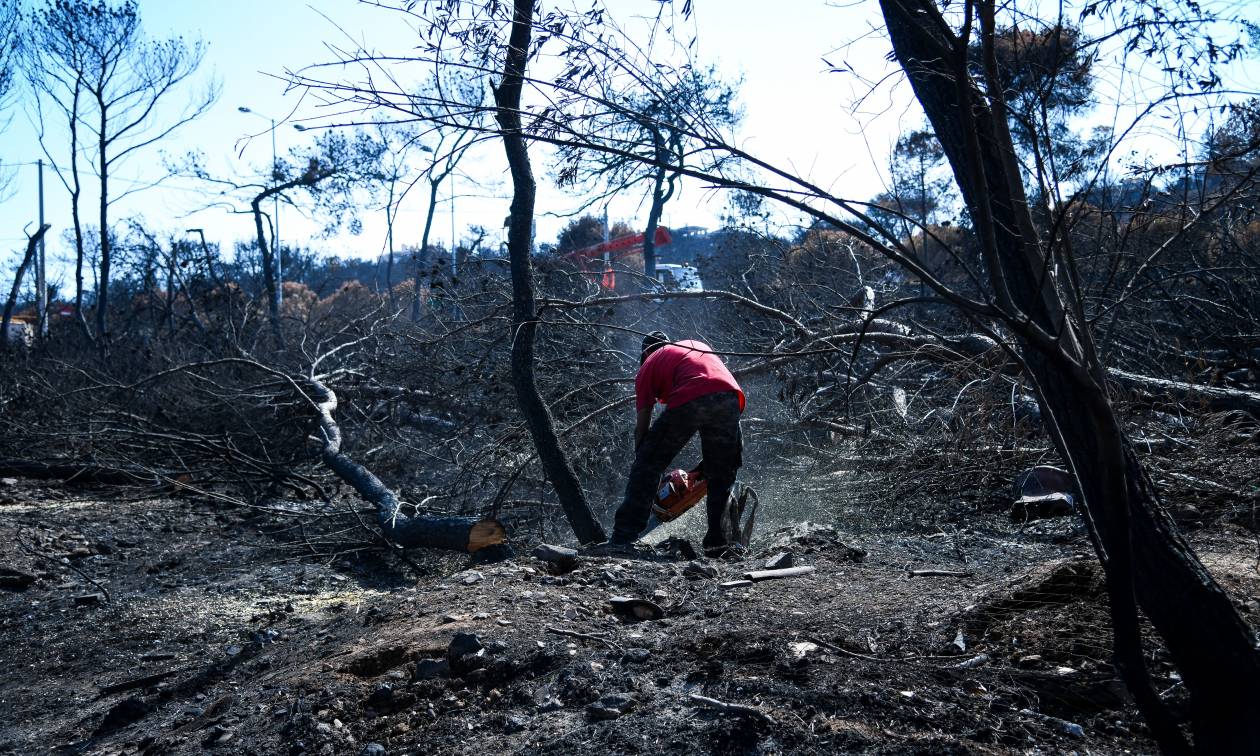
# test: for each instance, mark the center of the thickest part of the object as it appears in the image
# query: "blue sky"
(797, 114)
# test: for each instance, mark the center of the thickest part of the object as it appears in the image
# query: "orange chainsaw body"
(679, 491)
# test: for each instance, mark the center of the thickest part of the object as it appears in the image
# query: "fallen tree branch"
(584, 636)
(452, 533)
(937, 573)
(730, 708)
(74, 472)
(1213, 397)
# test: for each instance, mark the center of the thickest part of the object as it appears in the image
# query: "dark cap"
(653, 341)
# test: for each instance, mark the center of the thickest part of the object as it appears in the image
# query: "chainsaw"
(679, 491)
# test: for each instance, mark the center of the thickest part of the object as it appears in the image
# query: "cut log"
(788, 572)
(468, 535)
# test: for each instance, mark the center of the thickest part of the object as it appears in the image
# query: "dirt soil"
(150, 625)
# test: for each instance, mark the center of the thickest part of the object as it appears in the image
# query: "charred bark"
(507, 96)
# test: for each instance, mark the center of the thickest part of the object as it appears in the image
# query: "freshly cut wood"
(787, 572)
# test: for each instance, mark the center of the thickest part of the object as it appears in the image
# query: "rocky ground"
(176, 625)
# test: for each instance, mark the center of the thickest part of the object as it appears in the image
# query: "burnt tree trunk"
(1145, 559)
(268, 253)
(507, 97)
(102, 286)
(654, 213)
(421, 256)
(11, 302)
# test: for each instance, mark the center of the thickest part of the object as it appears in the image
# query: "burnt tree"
(1146, 561)
(507, 97)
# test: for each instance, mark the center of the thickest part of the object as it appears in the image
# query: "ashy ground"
(148, 625)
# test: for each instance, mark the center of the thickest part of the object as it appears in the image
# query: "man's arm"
(641, 424)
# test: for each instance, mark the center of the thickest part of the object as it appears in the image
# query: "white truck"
(678, 277)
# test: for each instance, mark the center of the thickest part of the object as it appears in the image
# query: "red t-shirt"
(677, 373)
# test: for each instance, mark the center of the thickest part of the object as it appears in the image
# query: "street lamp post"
(275, 233)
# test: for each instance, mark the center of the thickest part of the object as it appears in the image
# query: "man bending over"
(700, 395)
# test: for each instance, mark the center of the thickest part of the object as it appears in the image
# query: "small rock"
(560, 558)
(89, 599)
(973, 662)
(780, 561)
(801, 649)
(381, 695)
(700, 570)
(373, 749)
(8, 482)
(635, 608)
(431, 669)
(465, 654)
(218, 736)
(514, 723)
(550, 704)
(1031, 661)
(611, 706)
(462, 644)
(635, 656)
(1061, 725)
(472, 578)
(680, 547)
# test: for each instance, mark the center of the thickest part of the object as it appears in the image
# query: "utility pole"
(275, 235)
(454, 245)
(41, 269)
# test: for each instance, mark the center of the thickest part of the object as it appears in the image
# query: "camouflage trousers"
(716, 418)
